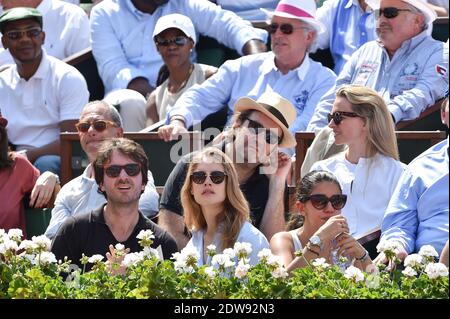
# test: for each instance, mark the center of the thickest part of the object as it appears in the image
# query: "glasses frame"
(94, 123)
(199, 177)
(269, 136)
(113, 171)
(285, 28)
(389, 12)
(337, 116)
(30, 33)
(333, 200)
(179, 41)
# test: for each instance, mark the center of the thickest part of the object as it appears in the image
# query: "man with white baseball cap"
(400, 65)
(287, 70)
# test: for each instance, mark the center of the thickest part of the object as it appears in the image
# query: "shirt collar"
(97, 216)
(350, 3)
(269, 65)
(40, 72)
(409, 44)
(139, 14)
(44, 7)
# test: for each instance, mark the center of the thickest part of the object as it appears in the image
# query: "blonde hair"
(367, 104)
(235, 207)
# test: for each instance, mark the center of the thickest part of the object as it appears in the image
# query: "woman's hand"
(334, 226)
(349, 247)
(43, 189)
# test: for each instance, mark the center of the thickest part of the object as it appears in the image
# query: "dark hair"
(163, 75)
(305, 188)
(6, 156)
(126, 147)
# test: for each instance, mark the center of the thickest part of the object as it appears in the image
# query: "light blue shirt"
(417, 214)
(81, 195)
(122, 41)
(248, 233)
(408, 83)
(248, 10)
(251, 76)
(348, 27)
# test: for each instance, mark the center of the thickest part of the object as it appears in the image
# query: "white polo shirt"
(35, 108)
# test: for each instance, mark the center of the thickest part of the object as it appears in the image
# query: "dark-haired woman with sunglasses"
(369, 169)
(174, 37)
(215, 210)
(319, 231)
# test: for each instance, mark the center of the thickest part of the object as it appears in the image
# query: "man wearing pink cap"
(287, 70)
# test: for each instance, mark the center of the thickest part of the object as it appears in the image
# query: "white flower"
(45, 257)
(389, 245)
(413, 260)
(3, 235)
(15, 234)
(354, 273)
(264, 254)
(211, 249)
(210, 272)
(320, 262)
(8, 245)
(132, 259)
(150, 252)
(186, 259)
(95, 258)
(229, 252)
(145, 235)
(409, 271)
(428, 251)
(243, 250)
(42, 241)
(241, 270)
(28, 245)
(275, 261)
(120, 247)
(280, 272)
(223, 260)
(436, 270)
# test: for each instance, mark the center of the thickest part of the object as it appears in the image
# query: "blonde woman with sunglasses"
(369, 169)
(319, 230)
(215, 210)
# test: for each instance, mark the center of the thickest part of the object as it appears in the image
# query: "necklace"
(183, 84)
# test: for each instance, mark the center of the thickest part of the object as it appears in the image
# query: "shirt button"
(363, 33)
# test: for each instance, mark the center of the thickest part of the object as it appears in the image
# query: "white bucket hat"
(177, 21)
(304, 10)
(430, 14)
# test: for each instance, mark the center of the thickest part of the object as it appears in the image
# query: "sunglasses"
(98, 125)
(320, 201)
(131, 169)
(216, 177)
(16, 34)
(389, 12)
(271, 138)
(338, 116)
(179, 41)
(285, 28)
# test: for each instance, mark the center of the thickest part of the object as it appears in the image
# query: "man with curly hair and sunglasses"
(120, 168)
(400, 65)
(99, 121)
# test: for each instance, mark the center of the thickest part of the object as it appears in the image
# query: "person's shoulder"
(433, 152)
(61, 68)
(67, 9)
(319, 70)
(110, 7)
(247, 227)
(159, 232)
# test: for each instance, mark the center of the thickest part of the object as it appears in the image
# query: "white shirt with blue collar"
(122, 41)
(251, 76)
(408, 82)
(417, 214)
(347, 26)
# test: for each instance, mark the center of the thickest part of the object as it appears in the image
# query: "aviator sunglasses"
(389, 12)
(338, 116)
(18, 34)
(285, 28)
(131, 169)
(217, 177)
(179, 41)
(98, 125)
(320, 201)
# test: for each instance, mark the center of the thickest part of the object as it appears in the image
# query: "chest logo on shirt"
(300, 100)
(410, 71)
(364, 72)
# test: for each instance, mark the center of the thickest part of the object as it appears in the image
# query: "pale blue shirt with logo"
(409, 82)
(122, 41)
(348, 27)
(417, 214)
(251, 76)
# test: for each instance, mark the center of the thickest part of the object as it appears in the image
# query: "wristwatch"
(316, 241)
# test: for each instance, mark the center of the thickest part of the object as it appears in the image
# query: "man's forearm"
(273, 219)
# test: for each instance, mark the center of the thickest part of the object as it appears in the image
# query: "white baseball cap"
(177, 21)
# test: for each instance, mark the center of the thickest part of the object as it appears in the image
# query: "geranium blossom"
(436, 270)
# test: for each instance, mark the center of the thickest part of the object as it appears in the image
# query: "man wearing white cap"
(400, 65)
(121, 32)
(287, 70)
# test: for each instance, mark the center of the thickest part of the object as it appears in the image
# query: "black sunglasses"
(131, 169)
(257, 128)
(285, 28)
(16, 34)
(179, 41)
(338, 116)
(320, 201)
(98, 125)
(389, 12)
(216, 177)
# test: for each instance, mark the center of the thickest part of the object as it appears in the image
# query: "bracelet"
(364, 256)
(178, 118)
(311, 250)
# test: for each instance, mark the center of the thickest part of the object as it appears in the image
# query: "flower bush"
(29, 270)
